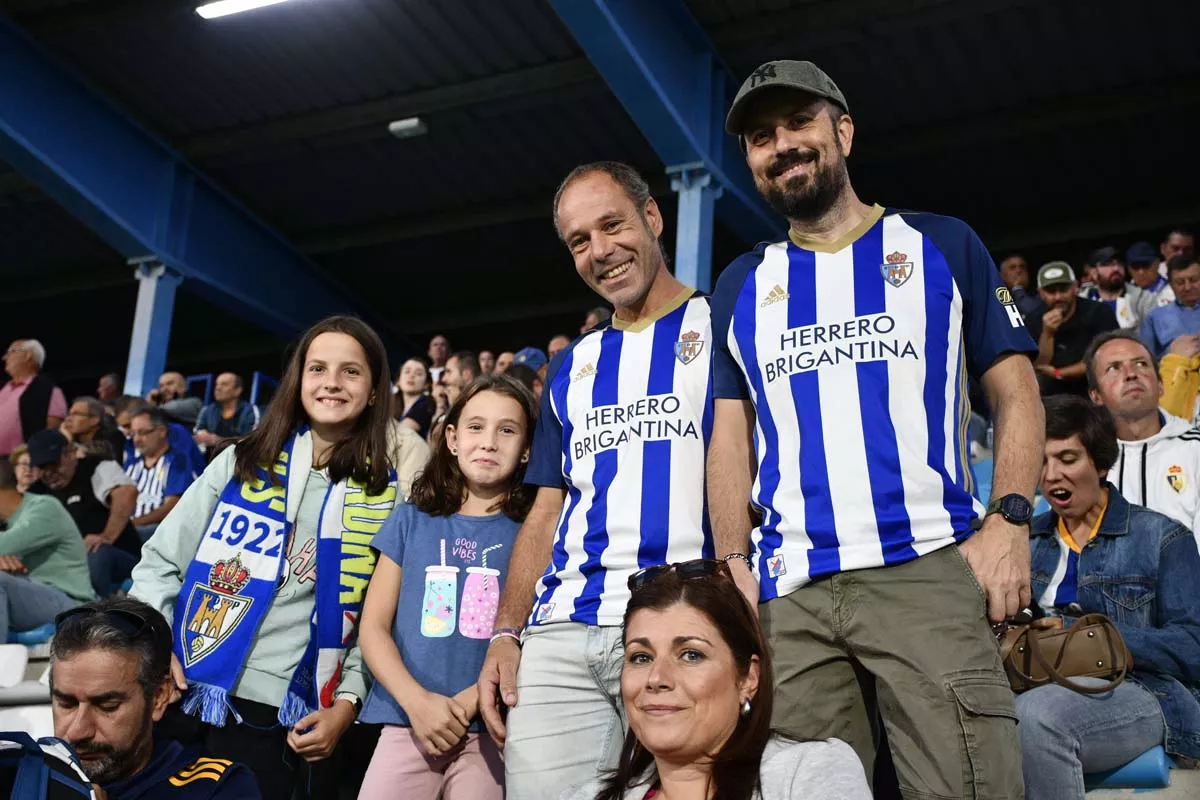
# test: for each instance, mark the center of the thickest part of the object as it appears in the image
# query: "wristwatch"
(1013, 507)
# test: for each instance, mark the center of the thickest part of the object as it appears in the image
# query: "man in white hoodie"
(1159, 462)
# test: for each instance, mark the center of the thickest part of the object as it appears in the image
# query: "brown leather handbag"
(1035, 654)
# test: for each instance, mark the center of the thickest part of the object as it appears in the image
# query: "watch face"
(1016, 508)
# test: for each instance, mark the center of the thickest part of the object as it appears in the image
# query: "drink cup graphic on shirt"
(481, 599)
(439, 607)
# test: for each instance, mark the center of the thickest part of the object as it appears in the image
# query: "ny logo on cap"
(761, 74)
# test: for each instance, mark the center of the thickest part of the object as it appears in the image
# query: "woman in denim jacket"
(1095, 552)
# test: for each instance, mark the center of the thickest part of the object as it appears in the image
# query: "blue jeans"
(1065, 734)
(26, 604)
(569, 723)
(109, 566)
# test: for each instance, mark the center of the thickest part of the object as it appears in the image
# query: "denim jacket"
(1142, 570)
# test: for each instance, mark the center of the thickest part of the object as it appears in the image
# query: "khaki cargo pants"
(917, 637)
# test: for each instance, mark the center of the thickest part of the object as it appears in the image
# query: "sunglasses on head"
(686, 570)
(131, 624)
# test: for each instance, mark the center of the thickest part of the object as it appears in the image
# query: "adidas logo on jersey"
(588, 371)
(776, 295)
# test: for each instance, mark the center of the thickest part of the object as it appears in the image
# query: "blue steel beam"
(142, 197)
(151, 327)
(660, 64)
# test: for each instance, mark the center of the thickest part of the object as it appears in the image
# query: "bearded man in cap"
(1113, 288)
(841, 361)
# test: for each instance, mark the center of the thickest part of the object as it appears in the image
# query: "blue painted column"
(151, 326)
(698, 193)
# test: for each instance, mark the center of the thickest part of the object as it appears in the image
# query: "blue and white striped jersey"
(856, 359)
(170, 476)
(624, 426)
(1063, 588)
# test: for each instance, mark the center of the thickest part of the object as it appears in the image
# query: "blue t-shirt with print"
(452, 571)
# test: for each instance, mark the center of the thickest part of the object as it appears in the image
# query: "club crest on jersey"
(897, 270)
(1175, 477)
(689, 346)
(776, 567)
(544, 611)
(215, 609)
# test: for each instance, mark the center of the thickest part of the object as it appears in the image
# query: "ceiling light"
(223, 8)
(406, 128)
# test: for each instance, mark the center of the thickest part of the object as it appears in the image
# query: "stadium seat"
(36, 636)
(1150, 770)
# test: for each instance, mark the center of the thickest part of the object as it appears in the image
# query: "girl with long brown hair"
(264, 562)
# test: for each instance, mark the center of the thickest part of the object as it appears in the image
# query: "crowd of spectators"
(608, 559)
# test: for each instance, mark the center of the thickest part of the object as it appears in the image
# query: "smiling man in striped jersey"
(841, 366)
(618, 457)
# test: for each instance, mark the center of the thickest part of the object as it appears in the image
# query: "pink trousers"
(401, 768)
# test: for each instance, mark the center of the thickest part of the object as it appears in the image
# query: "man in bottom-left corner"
(110, 682)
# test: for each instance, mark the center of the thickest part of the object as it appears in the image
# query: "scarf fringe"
(292, 710)
(209, 703)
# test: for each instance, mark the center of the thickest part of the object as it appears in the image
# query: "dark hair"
(127, 403)
(735, 769)
(424, 362)
(8, 474)
(362, 455)
(1068, 415)
(111, 377)
(237, 379)
(157, 416)
(1181, 262)
(601, 313)
(97, 631)
(467, 362)
(523, 374)
(1089, 355)
(1180, 231)
(95, 407)
(440, 488)
(625, 176)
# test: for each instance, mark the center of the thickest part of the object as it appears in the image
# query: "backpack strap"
(32, 772)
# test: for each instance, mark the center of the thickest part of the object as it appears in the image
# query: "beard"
(115, 763)
(1111, 283)
(805, 197)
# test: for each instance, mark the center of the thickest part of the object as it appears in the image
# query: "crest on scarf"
(897, 270)
(688, 347)
(1175, 477)
(215, 609)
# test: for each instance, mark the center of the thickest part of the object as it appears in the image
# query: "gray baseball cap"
(1055, 273)
(804, 76)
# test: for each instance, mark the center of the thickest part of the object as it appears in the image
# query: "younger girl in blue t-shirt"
(425, 637)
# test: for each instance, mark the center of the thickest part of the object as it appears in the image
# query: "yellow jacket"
(1181, 382)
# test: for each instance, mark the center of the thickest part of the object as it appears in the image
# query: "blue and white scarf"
(232, 580)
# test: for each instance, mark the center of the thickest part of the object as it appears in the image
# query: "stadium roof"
(1043, 124)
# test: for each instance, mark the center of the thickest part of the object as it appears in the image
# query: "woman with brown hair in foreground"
(697, 688)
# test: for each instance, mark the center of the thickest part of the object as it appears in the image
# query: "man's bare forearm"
(158, 514)
(1020, 426)
(1045, 349)
(530, 555)
(121, 502)
(731, 476)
